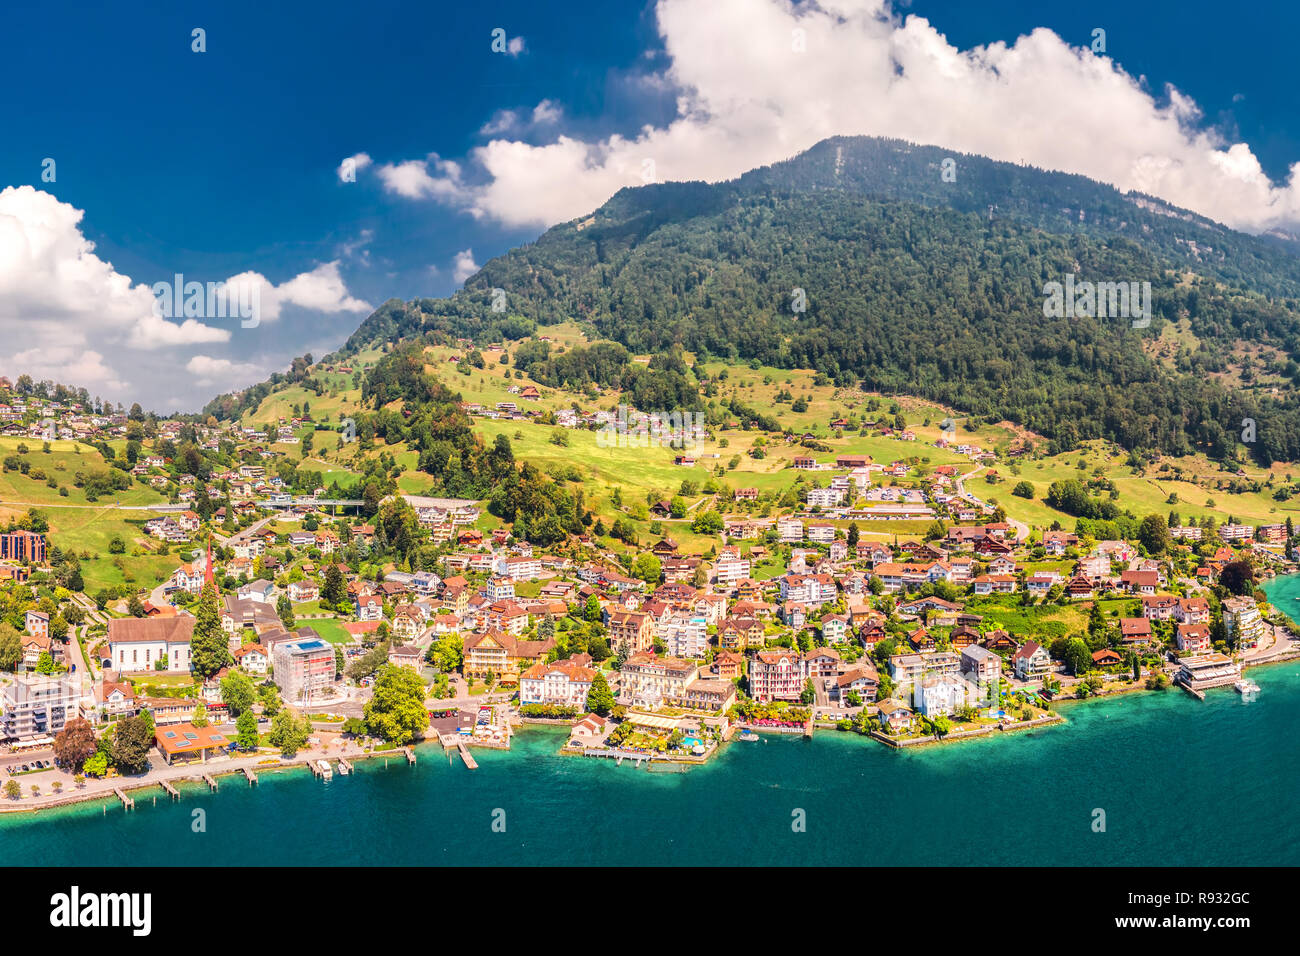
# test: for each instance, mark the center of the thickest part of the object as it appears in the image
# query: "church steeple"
(208, 577)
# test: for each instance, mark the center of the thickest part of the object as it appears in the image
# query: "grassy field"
(1198, 487)
(80, 525)
(329, 630)
(1201, 487)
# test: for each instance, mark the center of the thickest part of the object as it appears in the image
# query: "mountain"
(915, 284)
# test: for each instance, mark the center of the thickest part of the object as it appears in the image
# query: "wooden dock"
(127, 802)
(410, 754)
(210, 781)
(171, 791)
(466, 756)
(252, 777)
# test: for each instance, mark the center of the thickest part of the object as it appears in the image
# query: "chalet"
(1056, 543)
(1140, 582)
(922, 640)
(999, 640)
(1135, 630)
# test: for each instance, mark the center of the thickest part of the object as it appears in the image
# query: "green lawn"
(329, 630)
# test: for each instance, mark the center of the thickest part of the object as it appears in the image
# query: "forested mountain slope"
(913, 285)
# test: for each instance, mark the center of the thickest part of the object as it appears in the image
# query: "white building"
(685, 637)
(562, 683)
(825, 497)
(36, 707)
(138, 644)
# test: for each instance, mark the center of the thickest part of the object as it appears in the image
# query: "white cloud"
(502, 122)
(68, 315)
(547, 111)
(221, 372)
(755, 99)
(63, 305)
(356, 249)
(155, 332)
(412, 180)
(84, 368)
(348, 169)
(321, 290)
(464, 266)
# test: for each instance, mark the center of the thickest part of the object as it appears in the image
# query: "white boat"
(325, 770)
(747, 736)
(1246, 686)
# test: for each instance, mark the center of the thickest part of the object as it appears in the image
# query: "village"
(795, 620)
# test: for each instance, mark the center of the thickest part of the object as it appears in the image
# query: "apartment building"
(37, 707)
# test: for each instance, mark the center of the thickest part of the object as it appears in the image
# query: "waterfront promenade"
(267, 759)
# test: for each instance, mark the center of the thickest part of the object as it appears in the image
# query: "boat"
(1246, 686)
(325, 770)
(748, 736)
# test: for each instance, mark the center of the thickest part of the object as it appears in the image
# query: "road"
(75, 657)
(1022, 529)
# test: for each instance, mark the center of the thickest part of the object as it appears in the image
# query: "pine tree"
(335, 590)
(208, 650)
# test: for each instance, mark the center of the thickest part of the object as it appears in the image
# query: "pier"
(410, 754)
(171, 791)
(127, 802)
(252, 777)
(465, 755)
(618, 756)
(210, 781)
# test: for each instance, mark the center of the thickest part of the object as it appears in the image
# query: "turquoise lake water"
(1181, 782)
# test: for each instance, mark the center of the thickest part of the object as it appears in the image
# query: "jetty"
(410, 754)
(638, 758)
(127, 802)
(252, 777)
(210, 781)
(171, 791)
(466, 756)
(345, 766)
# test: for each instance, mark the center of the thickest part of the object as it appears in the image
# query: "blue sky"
(226, 162)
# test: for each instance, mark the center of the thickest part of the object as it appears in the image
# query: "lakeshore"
(1121, 755)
